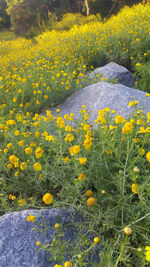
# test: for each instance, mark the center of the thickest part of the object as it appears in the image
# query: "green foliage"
(69, 20)
(143, 74)
(4, 18)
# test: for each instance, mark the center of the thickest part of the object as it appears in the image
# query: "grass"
(104, 172)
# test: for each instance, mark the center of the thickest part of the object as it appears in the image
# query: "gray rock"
(115, 71)
(18, 239)
(103, 95)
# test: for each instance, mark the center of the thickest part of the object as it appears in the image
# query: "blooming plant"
(50, 161)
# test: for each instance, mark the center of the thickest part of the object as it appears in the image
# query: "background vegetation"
(30, 17)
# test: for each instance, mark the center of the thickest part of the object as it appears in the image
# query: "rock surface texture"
(18, 239)
(115, 71)
(103, 95)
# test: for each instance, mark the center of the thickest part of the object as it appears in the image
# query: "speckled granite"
(115, 71)
(18, 239)
(103, 95)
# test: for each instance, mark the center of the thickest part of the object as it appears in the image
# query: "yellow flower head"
(13, 159)
(21, 143)
(37, 167)
(82, 160)
(127, 230)
(67, 264)
(31, 218)
(127, 128)
(96, 240)
(91, 202)
(74, 150)
(28, 150)
(148, 156)
(47, 198)
(21, 202)
(39, 152)
(81, 177)
(69, 138)
(88, 193)
(148, 116)
(135, 188)
(23, 166)
(119, 119)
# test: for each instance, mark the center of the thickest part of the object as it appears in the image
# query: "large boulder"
(115, 71)
(18, 239)
(103, 95)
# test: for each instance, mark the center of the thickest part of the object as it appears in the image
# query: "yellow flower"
(37, 167)
(69, 138)
(30, 218)
(74, 150)
(16, 164)
(147, 255)
(49, 138)
(17, 132)
(148, 116)
(37, 134)
(66, 159)
(88, 193)
(127, 230)
(57, 225)
(21, 143)
(81, 177)
(136, 102)
(68, 128)
(28, 150)
(9, 166)
(13, 159)
(82, 160)
(38, 243)
(96, 240)
(148, 156)
(46, 96)
(16, 174)
(127, 128)
(47, 198)
(119, 119)
(147, 95)
(67, 264)
(138, 64)
(130, 103)
(66, 117)
(60, 122)
(142, 152)
(135, 188)
(91, 202)
(39, 152)
(21, 202)
(87, 144)
(23, 166)
(9, 145)
(86, 127)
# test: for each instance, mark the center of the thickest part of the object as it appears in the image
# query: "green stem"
(121, 251)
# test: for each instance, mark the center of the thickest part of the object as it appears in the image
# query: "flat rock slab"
(115, 71)
(103, 95)
(18, 239)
